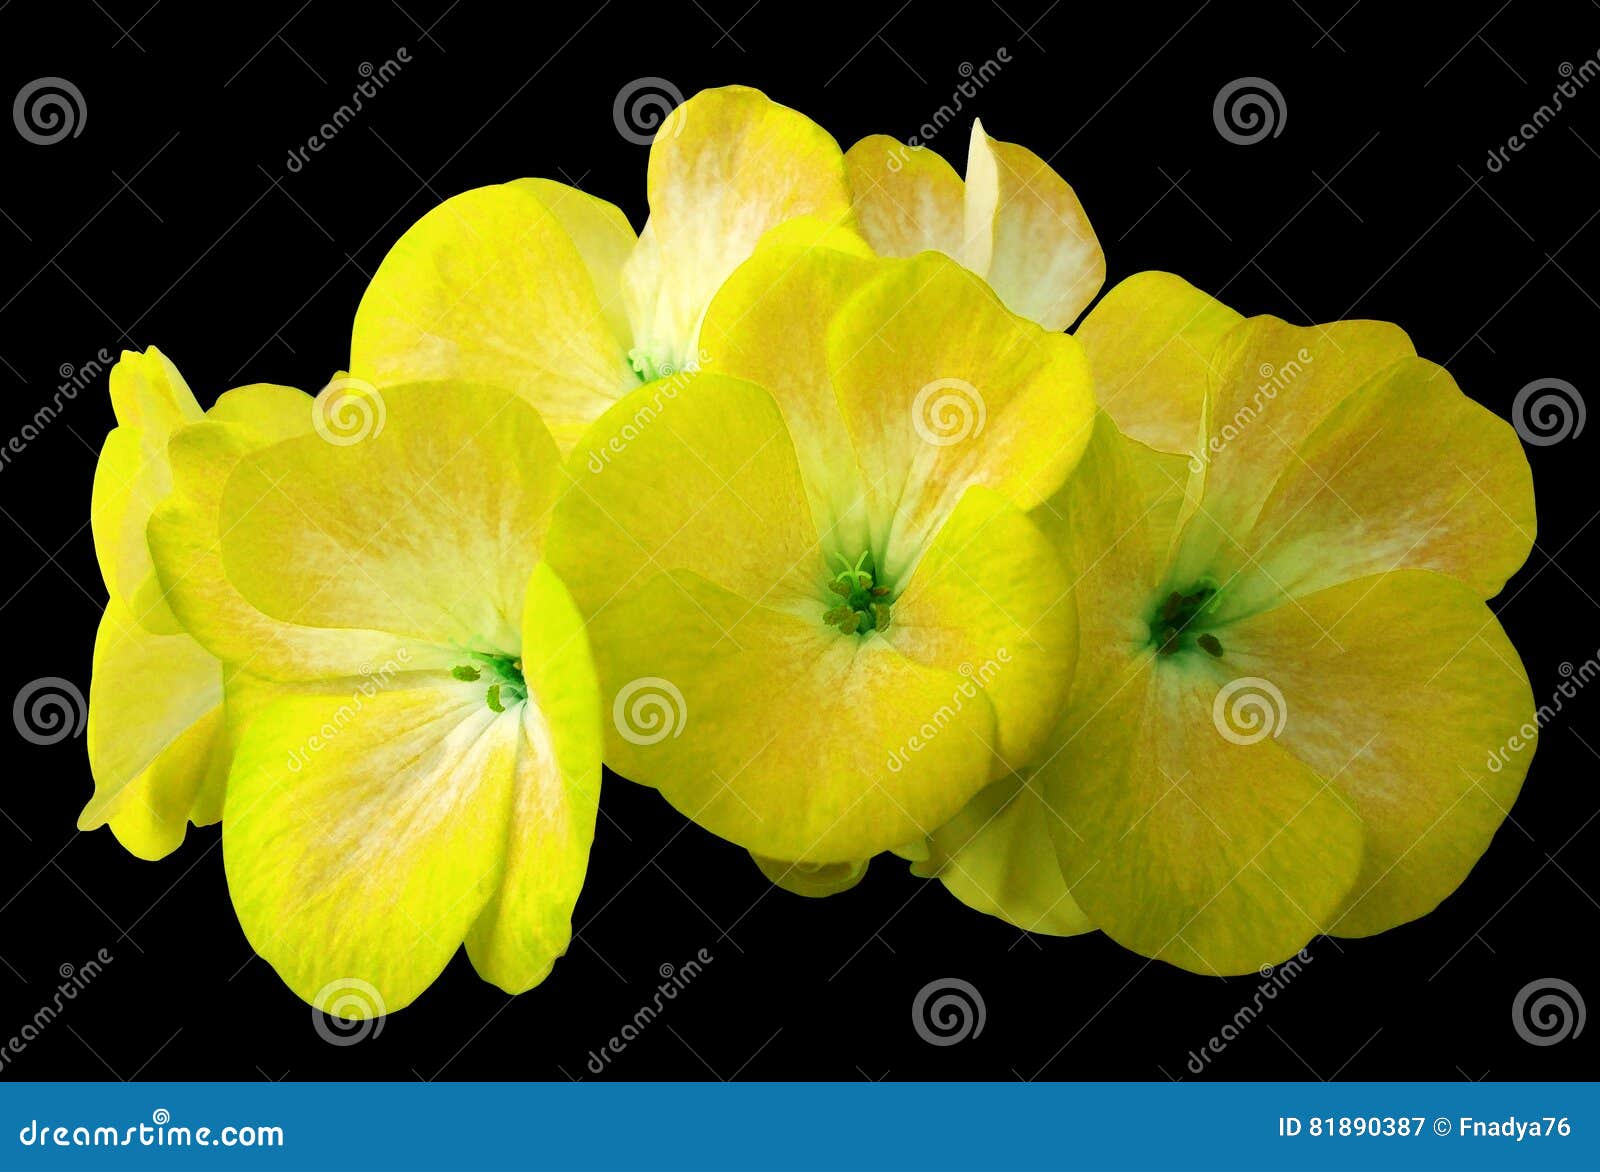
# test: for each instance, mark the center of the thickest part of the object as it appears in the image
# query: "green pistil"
(865, 606)
(1179, 618)
(643, 365)
(506, 685)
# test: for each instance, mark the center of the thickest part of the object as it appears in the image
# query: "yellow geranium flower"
(1288, 681)
(429, 773)
(536, 286)
(1014, 222)
(159, 732)
(821, 620)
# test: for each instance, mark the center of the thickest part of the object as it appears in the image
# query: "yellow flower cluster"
(799, 507)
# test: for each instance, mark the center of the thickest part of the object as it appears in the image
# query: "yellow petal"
(157, 743)
(527, 924)
(907, 199)
(1216, 854)
(1152, 344)
(151, 400)
(364, 834)
(1404, 690)
(1027, 233)
(1274, 386)
(695, 472)
(991, 601)
(812, 880)
(943, 388)
(1359, 500)
(998, 857)
(604, 240)
(149, 394)
(779, 733)
(490, 287)
(725, 166)
(769, 325)
(419, 537)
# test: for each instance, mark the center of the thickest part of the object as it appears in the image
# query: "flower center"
(866, 600)
(504, 676)
(1178, 622)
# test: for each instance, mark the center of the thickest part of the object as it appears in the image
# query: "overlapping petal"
(1014, 221)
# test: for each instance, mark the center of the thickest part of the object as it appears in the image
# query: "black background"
(171, 218)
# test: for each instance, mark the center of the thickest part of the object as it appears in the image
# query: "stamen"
(507, 684)
(1178, 619)
(866, 605)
